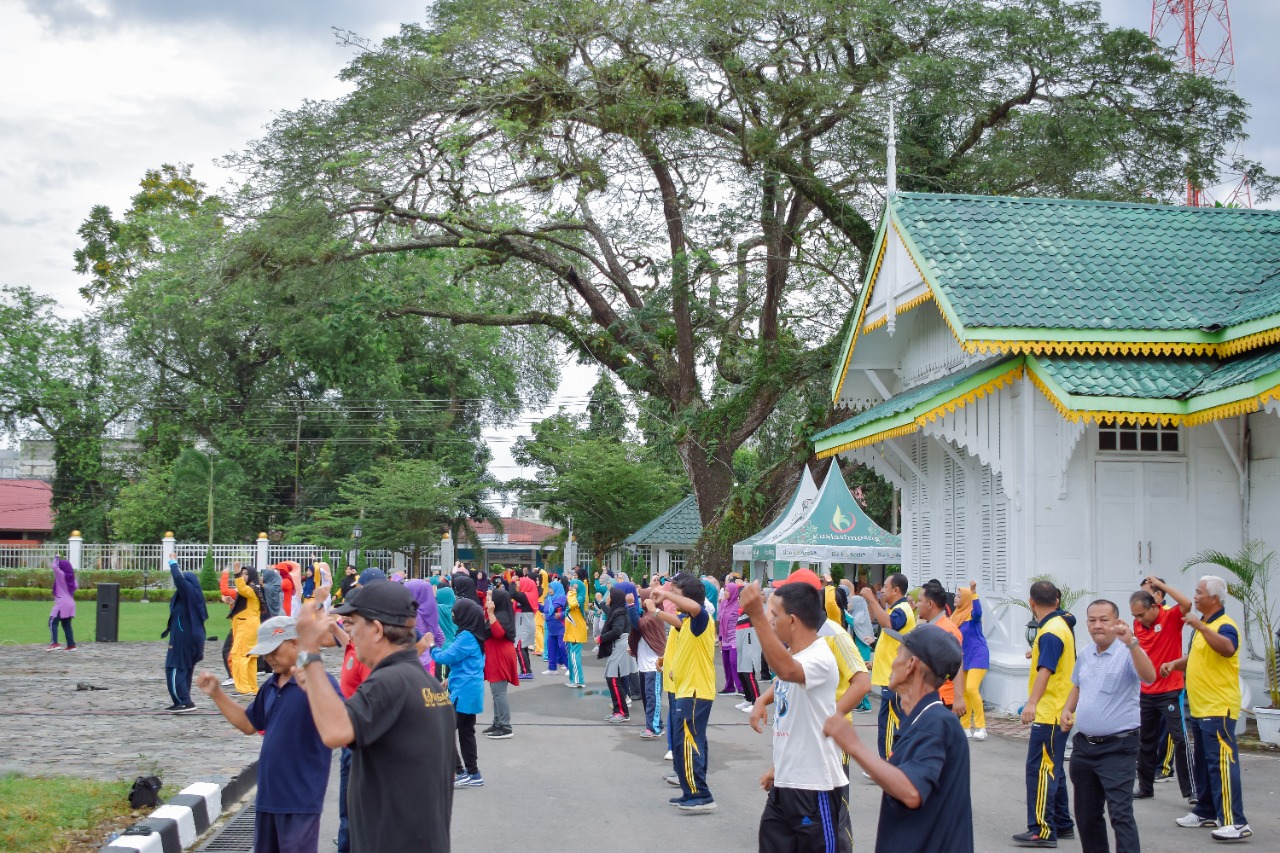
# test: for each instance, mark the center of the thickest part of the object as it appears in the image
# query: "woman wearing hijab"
(465, 587)
(445, 600)
(648, 643)
(712, 587)
(728, 622)
(977, 658)
(482, 587)
(525, 598)
(187, 615)
(428, 619)
(500, 660)
(613, 648)
(348, 583)
(64, 604)
(575, 628)
(465, 659)
(554, 608)
(245, 616)
(272, 594)
(859, 620)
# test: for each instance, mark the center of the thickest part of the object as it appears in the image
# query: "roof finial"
(891, 159)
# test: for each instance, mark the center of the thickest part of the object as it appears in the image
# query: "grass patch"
(28, 622)
(60, 814)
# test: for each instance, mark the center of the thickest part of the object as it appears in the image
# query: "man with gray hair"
(1212, 668)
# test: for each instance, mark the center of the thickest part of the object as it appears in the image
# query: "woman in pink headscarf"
(64, 604)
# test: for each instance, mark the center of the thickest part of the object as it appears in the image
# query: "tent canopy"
(806, 491)
(833, 529)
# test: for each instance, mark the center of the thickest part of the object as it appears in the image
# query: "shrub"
(28, 593)
(209, 573)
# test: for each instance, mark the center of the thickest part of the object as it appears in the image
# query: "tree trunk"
(712, 477)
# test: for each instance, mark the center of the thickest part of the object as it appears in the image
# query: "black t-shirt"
(401, 792)
(930, 747)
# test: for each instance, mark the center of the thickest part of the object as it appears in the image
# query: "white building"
(1074, 388)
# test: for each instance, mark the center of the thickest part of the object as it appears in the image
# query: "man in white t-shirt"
(806, 809)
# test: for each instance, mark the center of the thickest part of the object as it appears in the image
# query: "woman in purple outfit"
(64, 604)
(727, 618)
(428, 620)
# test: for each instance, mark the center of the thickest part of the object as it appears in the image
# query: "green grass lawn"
(55, 814)
(28, 622)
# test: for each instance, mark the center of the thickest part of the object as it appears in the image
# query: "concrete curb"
(175, 826)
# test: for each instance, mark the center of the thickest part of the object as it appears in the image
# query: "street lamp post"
(355, 535)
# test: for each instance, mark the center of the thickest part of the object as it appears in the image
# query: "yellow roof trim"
(1248, 342)
(1006, 378)
(862, 312)
(901, 309)
(1089, 347)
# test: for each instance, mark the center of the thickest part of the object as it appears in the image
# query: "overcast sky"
(98, 91)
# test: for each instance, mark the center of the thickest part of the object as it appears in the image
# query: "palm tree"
(195, 470)
(1252, 567)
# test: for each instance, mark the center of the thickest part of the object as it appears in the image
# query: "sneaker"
(979, 734)
(667, 757)
(677, 801)
(742, 706)
(500, 734)
(461, 780)
(1033, 839)
(571, 684)
(617, 718)
(727, 692)
(54, 647)
(475, 780)
(862, 709)
(1192, 820)
(549, 672)
(1139, 794)
(1067, 834)
(184, 709)
(489, 730)
(527, 676)
(746, 707)
(697, 805)
(69, 649)
(175, 706)
(1164, 777)
(672, 779)
(648, 734)
(229, 682)
(968, 733)
(1232, 832)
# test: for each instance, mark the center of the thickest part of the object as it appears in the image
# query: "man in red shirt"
(1159, 633)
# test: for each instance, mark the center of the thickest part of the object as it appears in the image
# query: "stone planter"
(1268, 720)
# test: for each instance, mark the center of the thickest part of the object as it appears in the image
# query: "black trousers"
(1102, 775)
(467, 758)
(799, 821)
(1166, 708)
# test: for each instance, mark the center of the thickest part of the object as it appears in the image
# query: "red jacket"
(500, 655)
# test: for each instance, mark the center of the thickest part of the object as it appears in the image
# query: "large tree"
(685, 192)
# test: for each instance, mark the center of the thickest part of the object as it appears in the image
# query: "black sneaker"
(1067, 834)
(499, 734)
(489, 730)
(175, 706)
(183, 709)
(1139, 794)
(1033, 839)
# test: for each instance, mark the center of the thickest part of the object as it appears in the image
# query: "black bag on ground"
(145, 793)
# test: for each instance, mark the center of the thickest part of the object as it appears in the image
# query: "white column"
(168, 545)
(260, 561)
(75, 549)
(446, 554)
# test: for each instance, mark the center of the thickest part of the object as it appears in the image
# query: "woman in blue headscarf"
(187, 615)
(554, 609)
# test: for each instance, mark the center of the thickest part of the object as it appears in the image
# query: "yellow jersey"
(1213, 681)
(887, 647)
(695, 667)
(848, 661)
(575, 621)
(1049, 708)
(669, 660)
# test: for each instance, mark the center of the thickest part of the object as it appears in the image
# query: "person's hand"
(759, 716)
(751, 600)
(649, 606)
(766, 780)
(1068, 719)
(959, 707)
(1029, 713)
(489, 605)
(868, 593)
(1122, 632)
(311, 626)
(834, 723)
(299, 675)
(1027, 655)
(973, 585)
(430, 639)
(660, 595)
(1166, 668)
(1153, 582)
(208, 683)
(631, 599)
(1190, 618)
(173, 556)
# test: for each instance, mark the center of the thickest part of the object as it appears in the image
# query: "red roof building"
(26, 510)
(516, 531)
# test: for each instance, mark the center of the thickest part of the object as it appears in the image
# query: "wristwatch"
(307, 658)
(1133, 643)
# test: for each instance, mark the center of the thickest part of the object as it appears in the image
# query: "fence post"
(168, 545)
(446, 555)
(75, 549)
(261, 558)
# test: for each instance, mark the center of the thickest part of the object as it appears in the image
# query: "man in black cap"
(399, 723)
(926, 804)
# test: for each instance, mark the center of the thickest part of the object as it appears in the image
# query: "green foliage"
(209, 574)
(1070, 595)
(1252, 568)
(54, 813)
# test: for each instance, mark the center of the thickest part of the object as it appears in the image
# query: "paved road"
(571, 783)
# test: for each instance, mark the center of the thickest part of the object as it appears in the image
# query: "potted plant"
(1252, 567)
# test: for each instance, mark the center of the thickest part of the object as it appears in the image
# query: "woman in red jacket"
(500, 659)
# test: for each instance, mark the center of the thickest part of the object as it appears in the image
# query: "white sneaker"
(745, 707)
(979, 734)
(228, 682)
(1192, 820)
(968, 733)
(1232, 832)
(549, 672)
(667, 757)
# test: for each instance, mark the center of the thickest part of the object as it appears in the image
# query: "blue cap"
(368, 576)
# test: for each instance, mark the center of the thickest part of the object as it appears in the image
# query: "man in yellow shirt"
(1213, 694)
(694, 672)
(899, 617)
(1053, 657)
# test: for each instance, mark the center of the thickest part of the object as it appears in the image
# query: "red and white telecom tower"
(1201, 32)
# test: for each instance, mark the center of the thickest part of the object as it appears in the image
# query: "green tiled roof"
(680, 525)
(904, 402)
(1150, 378)
(1067, 264)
